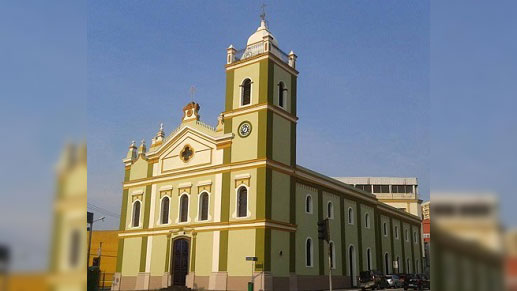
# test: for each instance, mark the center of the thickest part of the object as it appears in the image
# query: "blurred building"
(471, 217)
(105, 246)
(467, 242)
(426, 234)
(511, 259)
(68, 254)
(401, 193)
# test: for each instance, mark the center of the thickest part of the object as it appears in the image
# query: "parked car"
(393, 281)
(402, 279)
(417, 282)
(426, 282)
(372, 280)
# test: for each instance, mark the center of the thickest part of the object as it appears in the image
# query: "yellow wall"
(131, 261)
(159, 249)
(241, 244)
(138, 169)
(109, 239)
(204, 241)
(245, 148)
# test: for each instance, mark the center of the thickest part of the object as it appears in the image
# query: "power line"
(103, 210)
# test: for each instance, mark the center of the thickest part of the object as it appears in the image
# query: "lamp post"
(90, 221)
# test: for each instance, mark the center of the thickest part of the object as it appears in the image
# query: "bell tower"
(260, 108)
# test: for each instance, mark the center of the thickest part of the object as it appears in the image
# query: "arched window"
(408, 267)
(203, 206)
(396, 232)
(351, 263)
(407, 235)
(414, 236)
(350, 215)
(136, 213)
(184, 208)
(281, 94)
(242, 202)
(369, 259)
(398, 264)
(332, 253)
(308, 252)
(165, 210)
(386, 264)
(308, 204)
(246, 92)
(330, 210)
(385, 229)
(367, 220)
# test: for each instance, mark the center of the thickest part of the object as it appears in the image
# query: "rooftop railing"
(257, 49)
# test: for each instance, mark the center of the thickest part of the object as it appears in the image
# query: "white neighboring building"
(398, 192)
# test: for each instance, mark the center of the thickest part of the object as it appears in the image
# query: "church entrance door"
(180, 257)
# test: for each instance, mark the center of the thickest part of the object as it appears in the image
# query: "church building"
(214, 208)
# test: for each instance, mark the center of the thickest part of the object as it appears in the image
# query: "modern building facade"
(204, 198)
(401, 193)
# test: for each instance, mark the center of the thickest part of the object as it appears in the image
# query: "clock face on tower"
(244, 129)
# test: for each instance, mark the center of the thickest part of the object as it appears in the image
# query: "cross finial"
(263, 14)
(192, 92)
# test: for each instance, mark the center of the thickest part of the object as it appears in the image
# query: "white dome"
(258, 36)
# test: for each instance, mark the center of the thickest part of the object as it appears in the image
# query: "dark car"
(372, 280)
(393, 281)
(416, 282)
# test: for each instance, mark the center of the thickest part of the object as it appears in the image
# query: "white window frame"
(161, 211)
(310, 206)
(350, 218)
(331, 216)
(248, 212)
(178, 221)
(311, 251)
(242, 92)
(208, 217)
(385, 229)
(140, 225)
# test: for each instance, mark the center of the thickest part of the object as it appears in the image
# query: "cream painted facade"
(387, 190)
(201, 199)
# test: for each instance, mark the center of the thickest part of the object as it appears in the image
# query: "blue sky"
(381, 92)
(363, 88)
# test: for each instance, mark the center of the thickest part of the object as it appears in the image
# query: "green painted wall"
(280, 196)
(307, 227)
(368, 237)
(351, 234)
(281, 139)
(279, 253)
(335, 232)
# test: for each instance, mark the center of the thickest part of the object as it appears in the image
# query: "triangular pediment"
(186, 148)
